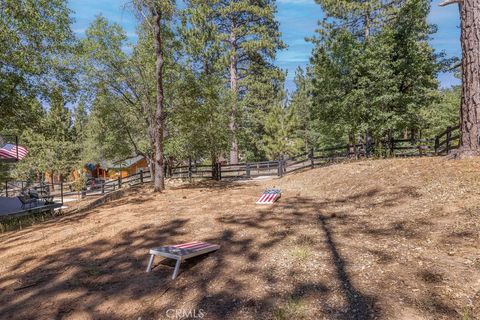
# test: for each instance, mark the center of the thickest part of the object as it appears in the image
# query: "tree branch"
(447, 2)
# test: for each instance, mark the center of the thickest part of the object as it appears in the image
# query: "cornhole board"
(181, 252)
(269, 196)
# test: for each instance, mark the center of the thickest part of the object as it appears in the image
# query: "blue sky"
(298, 19)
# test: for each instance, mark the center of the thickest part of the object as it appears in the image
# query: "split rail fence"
(440, 145)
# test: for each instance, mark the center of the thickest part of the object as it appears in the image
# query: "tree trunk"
(470, 107)
(234, 90)
(158, 122)
(150, 167)
(366, 27)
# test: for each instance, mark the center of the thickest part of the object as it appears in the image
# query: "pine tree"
(52, 146)
(200, 118)
(280, 124)
(438, 116)
(402, 71)
(249, 34)
(262, 88)
(377, 84)
(470, 35)
(301, 108)
(156, 14)
(361, 17)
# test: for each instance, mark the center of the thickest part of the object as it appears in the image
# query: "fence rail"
(59, 192)
(440, 145)
(447, 141)
(49, 195)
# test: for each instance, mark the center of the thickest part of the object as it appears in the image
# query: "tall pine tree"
(249, 34)
(470, 105)
(375, 81)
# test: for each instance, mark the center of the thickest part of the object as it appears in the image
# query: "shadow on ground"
(107, 279)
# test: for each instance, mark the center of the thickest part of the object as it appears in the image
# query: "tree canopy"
(201, 82)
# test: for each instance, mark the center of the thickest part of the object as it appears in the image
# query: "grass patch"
(305, 240)
(293, 309)
(18, 223)
(301, 247)
(301, 253)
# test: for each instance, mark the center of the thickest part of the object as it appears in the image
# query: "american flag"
(269, 196)
(9, 151)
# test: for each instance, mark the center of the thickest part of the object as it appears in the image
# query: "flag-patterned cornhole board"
(181, 252)
(269, 196)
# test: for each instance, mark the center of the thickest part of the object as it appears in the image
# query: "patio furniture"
(27, 200)
(46, 199)
(181, 252)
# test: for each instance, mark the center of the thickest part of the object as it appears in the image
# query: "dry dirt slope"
(386, 239)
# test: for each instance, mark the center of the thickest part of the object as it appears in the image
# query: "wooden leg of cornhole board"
(150, 262)
(177, 268)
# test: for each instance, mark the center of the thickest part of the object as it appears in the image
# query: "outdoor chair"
(181, 252)
(32, 193)
(27, 200)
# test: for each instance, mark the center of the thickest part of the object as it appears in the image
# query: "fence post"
(120, 182)
(449, 136)
(61, 190)
(368, 146)
(437, 143)
(392, 146)
(190, 168)
(141, 177)
(312, 158)
(219, 171)
(280, 167)
(6, 188)
(103, 187)
(248, 170)
(214, 171)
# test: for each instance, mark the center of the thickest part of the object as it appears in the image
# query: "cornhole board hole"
(181, 252)
(269, 196)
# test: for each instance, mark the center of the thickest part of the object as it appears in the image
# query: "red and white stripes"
(11, 151)
(194, 246)
(269, 197)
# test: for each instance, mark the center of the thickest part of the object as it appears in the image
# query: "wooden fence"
(52, 194)
(440, 145)
(447, 141)
(60, 191)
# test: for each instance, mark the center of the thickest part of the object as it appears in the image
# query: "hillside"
(378, 239)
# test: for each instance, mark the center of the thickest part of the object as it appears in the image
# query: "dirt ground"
(383, 239)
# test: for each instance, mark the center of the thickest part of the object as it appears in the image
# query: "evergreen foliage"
(377, 83)
(72, 101)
